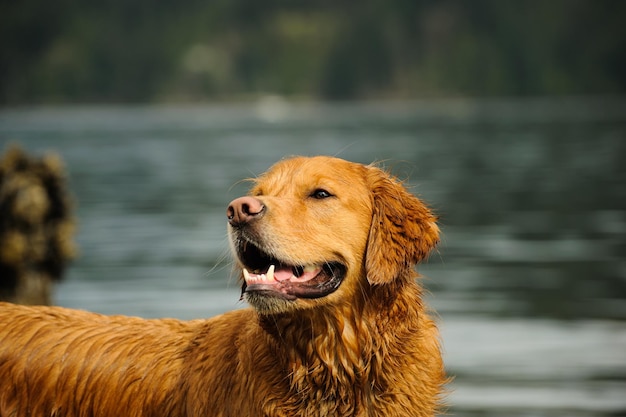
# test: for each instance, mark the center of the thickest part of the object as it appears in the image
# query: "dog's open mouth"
(266, 274)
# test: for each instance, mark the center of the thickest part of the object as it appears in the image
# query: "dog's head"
(316, 230)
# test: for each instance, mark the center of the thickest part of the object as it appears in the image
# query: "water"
(529, 282)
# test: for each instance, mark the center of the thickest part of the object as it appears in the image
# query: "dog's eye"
(320, 194)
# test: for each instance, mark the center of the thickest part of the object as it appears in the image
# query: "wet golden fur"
(367, 349)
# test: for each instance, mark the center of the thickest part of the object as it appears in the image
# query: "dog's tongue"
(282, 274)
(286, 273)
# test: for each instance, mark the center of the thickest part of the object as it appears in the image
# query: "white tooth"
(263, 277)
(310, 268)
(270, 273)
(246, 274)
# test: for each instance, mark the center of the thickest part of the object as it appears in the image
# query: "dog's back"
(52, 358)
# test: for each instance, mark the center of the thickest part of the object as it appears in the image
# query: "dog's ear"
(403, 230)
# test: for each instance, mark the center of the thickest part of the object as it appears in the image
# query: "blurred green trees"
(162, 50)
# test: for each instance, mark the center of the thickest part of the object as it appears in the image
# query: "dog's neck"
(339, 352)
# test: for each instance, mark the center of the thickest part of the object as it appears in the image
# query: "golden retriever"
(326, 250)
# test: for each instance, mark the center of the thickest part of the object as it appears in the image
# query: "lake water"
(530, 279)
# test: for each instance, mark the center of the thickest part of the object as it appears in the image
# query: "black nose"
(243, 210)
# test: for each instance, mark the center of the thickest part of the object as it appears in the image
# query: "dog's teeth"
(310, 268)
(257, 276)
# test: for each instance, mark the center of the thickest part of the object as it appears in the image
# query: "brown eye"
(320, 194)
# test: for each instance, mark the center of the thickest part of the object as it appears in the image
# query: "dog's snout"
(242, 210)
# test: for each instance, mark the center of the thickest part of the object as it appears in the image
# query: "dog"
(36, 226)
(326, 250)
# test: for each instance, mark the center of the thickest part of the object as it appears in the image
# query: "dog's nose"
(244, 209)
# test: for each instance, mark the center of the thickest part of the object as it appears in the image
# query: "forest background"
(147, 51)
